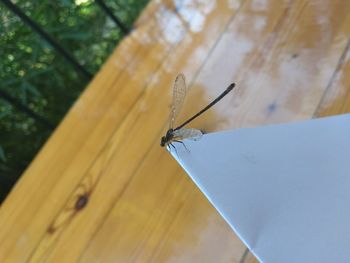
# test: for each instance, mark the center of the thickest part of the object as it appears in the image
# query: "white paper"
(284, 189)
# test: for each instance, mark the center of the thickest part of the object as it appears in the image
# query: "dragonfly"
(180, 133)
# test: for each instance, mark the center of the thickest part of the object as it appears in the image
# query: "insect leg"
(172, 145)
(182, 144)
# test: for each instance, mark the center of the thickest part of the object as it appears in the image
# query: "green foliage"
(33, 72)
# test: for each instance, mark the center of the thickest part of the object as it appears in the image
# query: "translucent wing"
(192, 134)
(179, 93)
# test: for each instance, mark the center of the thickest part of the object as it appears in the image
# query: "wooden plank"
(63, 161)
(141, 206)
(144, 241)
(126, 144)
(282, 74)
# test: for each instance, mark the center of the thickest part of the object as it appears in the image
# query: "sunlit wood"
(103, 190)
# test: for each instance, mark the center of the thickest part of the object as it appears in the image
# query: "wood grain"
(103, 190)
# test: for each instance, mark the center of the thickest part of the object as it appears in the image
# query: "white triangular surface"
(284, 189)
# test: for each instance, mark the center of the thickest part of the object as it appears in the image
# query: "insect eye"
(162, 141)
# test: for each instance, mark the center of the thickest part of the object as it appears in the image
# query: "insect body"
(180, 133)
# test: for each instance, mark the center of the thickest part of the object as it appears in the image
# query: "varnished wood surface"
(290, 60)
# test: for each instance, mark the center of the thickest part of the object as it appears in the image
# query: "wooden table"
(103, 190)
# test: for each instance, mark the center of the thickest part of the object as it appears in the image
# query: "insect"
(179, 133)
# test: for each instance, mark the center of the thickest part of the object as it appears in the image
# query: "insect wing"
(192, 134)
(179, 94)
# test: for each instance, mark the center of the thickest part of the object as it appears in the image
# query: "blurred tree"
(34, 73)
